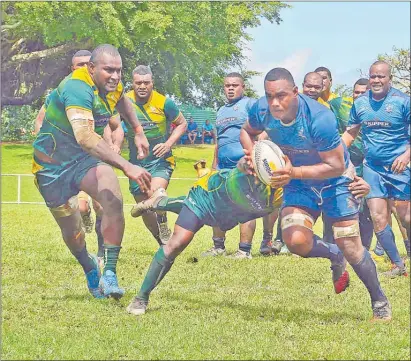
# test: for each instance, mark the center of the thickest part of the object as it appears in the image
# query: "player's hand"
(161, 149)
(282, 177)
(359, 187)
(115, 148)
(400, 163)
(139, 175)
(142, 145)
(250, 167)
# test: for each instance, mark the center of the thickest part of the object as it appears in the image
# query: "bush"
(17, 123)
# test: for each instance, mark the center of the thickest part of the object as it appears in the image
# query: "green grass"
(267, 308)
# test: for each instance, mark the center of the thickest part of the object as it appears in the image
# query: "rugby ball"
(266, 157)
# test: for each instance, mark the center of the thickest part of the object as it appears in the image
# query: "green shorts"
(57, 183)
(159, 168)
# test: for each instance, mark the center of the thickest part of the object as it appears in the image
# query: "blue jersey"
(229, 121)
(313, 131)
(384, 124)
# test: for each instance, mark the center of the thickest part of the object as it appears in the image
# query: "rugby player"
(228, 150)
(313, 85)
(70, 156)
(223, 199)
(326, 93)
(156, 112)
(383, 116)
(316, 179)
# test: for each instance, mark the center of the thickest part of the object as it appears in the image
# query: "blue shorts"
(385, 184)
(229, 155)
(57, 183)
(333, 199)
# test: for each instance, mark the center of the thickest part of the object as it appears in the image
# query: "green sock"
(159, 267)
(110, 257)
(170, 204)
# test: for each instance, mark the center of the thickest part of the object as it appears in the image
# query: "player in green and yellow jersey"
(69, 156)
(156, 112)
(326, 95)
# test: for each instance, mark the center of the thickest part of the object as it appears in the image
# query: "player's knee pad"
(66, 209)
(352, 230)
(297, 219)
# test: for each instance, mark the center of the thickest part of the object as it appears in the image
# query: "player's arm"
(116, 132)
(214, 164)
(402, 161)
(82, 122)
(350, 134)
(125, 108)
(163, 148)
(38, 122)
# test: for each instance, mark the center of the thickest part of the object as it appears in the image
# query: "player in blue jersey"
(383, 116)
(228, 150)
(316, 179)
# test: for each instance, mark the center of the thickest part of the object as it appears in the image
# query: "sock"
(110, 257)
(245, 247)
(366, 230)
(100, 239)
(279, 234)
(378, 250)
(407, 246)
(387, 240)
(159, 267)
(367, 273)
(170, 204)
(157, 238)
(267, 236)
(83, 257)
(219, 242)
(325, 250)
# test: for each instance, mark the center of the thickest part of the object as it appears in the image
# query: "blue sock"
(387, 240)
(378, 250)
(84, 259)
(367, 273)
(267, 236)
(407, 246)
(323, 249)
(245, 247)
(366, 230)
(219, 242)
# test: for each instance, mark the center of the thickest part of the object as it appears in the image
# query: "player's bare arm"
(116, 133)
(163, 148)
(125, 108)
(247, 136)
(332, 166)
(214, 164)
(38, 122)
(83, 126)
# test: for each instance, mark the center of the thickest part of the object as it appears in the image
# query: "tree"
(189, 45)
(400, 67)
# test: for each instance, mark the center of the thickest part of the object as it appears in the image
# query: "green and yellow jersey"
(154, 116)
(341, 107)
(56, 137)
(227, 197)
(327, 103)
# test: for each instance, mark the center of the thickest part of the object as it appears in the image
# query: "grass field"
(266, 308)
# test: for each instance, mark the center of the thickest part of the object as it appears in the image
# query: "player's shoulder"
(130, 94)
(260, 108)
(312, 109)
(395, 93)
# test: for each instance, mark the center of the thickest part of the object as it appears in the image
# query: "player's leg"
(366, 226)
(98, 209)
(68, 218)
(297, 228)
(101, 183)
(268, 245)
(247, 231)
(403, 221)
(186, 227)
(380, 214)
(218, 248)
(347, 236)
(85, 211)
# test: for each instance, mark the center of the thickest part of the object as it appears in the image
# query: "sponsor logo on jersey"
(389, 108)
(377, 124)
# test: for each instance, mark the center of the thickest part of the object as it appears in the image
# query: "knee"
(297, 243)
(379, 220)
(111, 202)
(352, 248)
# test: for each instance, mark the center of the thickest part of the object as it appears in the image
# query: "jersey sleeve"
(77, 94)
(354, 118)
(324, 132)
(407, 111)
(256, 115)
(171, 110)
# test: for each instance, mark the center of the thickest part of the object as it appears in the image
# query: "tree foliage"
(189, 45)
(400, 67)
